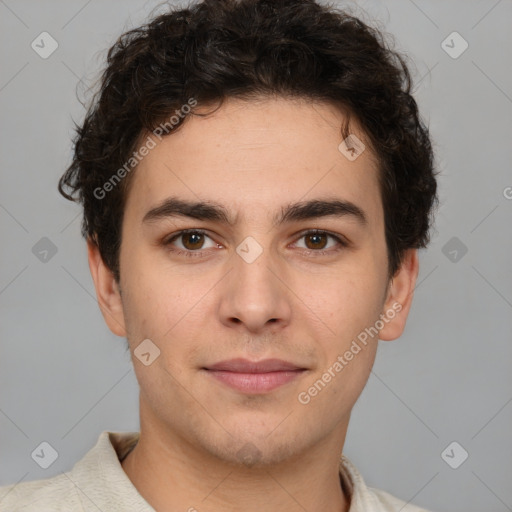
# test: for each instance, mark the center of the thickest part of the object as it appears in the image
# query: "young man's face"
(257, 289)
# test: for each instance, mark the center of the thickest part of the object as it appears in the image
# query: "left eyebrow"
(322, 208)
(200, 210)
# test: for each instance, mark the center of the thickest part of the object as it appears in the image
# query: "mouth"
(254, 377)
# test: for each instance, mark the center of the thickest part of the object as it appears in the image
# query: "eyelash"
(199, 253)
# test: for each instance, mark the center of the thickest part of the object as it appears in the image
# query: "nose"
(255, 296)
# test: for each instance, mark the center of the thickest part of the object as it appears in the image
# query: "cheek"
(347, 300)
(347, 349)
(168, 308)
(146, 304)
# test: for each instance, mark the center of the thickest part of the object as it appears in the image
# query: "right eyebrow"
(173, 207)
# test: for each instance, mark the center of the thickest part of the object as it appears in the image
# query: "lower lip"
(255, 382)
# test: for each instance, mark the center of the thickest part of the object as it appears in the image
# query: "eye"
(316, 241)
(192, 241)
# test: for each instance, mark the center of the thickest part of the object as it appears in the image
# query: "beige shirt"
(98, 482)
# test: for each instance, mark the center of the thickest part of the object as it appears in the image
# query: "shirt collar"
(101, 481)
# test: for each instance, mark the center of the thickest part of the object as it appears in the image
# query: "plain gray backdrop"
(64, 377)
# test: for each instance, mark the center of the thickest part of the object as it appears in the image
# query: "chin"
(254, 450)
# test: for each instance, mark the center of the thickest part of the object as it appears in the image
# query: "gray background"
(64, 377)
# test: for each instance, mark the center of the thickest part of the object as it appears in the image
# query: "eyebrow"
(201, 210)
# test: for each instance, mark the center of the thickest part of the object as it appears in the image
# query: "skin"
(205, 445)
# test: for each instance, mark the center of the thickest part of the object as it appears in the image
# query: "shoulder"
(390, 503)
(96, 482)
(56, 494)
(364, 498)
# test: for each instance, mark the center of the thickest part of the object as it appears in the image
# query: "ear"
(107, 291)
(399, 297)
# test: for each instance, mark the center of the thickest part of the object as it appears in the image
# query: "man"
(256, 184)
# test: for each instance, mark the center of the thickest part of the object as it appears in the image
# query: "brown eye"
(316, 240)
(319, 242)
(192, 241)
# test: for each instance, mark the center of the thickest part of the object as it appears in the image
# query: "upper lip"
(241, 365)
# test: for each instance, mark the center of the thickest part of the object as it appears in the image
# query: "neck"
(172, 474)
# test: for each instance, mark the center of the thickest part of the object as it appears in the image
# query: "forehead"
(253, 157)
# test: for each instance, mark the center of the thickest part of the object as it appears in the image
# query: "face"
(254, 278)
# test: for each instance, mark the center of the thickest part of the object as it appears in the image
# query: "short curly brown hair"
(218, 49)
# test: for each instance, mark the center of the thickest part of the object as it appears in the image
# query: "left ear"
(399, 298)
